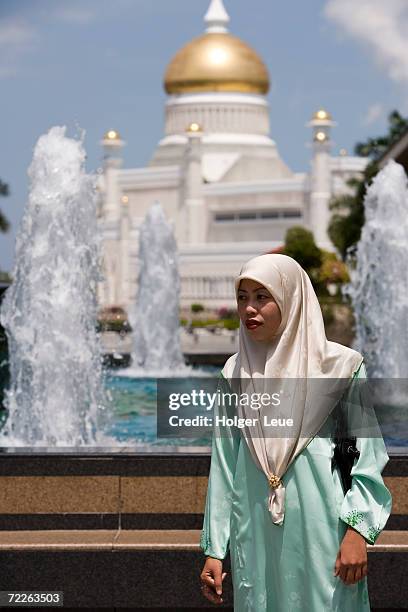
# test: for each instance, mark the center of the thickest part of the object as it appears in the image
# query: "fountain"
(155, 318)
(379, 280)
(379, 295)
(56, 395)
(157, 353)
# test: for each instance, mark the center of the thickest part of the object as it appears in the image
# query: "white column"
(321, 179)
(111, 215)
(112, 162)
(194, 201)
(123, 278)
(320, 195)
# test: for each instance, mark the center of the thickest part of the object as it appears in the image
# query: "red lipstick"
(252, 324)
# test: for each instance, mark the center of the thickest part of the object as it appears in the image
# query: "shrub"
(113, 325)
(196, 308)
(206, 323)
(231, 324)
(226, 313)
(333, 270)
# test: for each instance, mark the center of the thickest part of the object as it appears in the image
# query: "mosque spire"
(216, 18)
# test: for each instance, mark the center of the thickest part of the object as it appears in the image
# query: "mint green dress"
(289, 567)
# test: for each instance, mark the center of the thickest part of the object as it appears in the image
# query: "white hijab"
(300, 351)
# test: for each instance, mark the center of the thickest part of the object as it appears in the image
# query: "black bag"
(345, 450)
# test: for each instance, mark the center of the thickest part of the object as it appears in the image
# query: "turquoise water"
(134, 418)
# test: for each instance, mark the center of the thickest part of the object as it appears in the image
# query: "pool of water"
(134, 411)
(132, 425)
(134, 416)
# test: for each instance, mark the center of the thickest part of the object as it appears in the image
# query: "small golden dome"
(194, 127)
(322, 115)
(216, 62)
(320, 136)
(112, 135)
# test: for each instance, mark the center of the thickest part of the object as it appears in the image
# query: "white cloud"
(15, 33)
(374, 112)
(382, 25)
(16, 38)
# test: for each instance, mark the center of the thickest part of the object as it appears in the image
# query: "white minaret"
(321, 188)
(111, 222)
(194, 203)
(112, 161)
(124, 268)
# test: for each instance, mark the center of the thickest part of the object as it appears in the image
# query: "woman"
(296, 540)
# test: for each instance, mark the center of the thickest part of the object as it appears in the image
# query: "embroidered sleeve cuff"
(359, 522)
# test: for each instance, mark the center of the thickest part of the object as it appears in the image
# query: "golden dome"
(322, 115)
(216, 62)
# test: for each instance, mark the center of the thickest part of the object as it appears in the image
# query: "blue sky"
(98, 64)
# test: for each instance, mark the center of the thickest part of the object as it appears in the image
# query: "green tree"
(348, 210)
(300, 244)
(376, 147)
(4, 224)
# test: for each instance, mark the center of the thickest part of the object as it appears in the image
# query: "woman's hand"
(211, 580)
(351, 561)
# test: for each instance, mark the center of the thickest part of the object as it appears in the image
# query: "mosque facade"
(217, 174)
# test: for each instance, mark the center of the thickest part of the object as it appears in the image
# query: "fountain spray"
(56, 395)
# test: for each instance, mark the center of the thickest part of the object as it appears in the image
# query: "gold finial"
(274, 481)
(112, 135)
(322, 115)
(194, 127)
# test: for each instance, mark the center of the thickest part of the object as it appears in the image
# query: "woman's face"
(258, 310)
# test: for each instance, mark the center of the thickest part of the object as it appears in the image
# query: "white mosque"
(217, 174)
